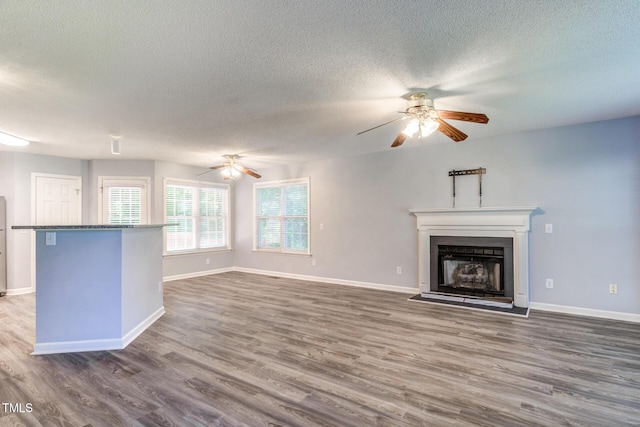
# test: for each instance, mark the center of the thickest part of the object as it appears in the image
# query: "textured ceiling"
(279, 81)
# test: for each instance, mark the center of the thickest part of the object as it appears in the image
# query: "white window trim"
(187, 252)
(226, 248)
(303, 180)
(127, 181)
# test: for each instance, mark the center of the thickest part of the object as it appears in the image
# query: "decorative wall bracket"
(479, 172)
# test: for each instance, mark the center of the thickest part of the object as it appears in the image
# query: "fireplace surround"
(449, 227)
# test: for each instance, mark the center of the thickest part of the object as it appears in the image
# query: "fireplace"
(479, 252)
(472, 266)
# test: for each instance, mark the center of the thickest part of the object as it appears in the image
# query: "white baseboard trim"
(141, 327)
(96, 345)
(76, 346)
(196, 274)
(613, 315)
(19, 291)
(368, 285)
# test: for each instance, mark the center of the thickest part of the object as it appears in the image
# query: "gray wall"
(98, 168)
(15, 184)
(188, 264)
(7, 190)
(585, 179)
(173, 265)
(19, 208)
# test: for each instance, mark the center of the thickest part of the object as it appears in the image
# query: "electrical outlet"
(548, 228)
(549, 283)
(613, 288)
(50, 238)
(207, 261)
(159, 286)
(398, 270)
(321, 226)
(313, 262)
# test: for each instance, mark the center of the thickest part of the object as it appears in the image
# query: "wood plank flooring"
(238, 349)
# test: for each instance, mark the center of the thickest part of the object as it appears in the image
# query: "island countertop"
(88, 226)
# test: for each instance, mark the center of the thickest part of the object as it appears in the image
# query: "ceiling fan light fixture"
(427, 127)
(230, 172)
(426, 119)
(411, 128)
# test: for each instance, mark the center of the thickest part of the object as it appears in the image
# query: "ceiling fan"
(231, 169)
(425, 120)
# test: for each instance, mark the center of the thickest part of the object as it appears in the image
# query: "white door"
(58, 200)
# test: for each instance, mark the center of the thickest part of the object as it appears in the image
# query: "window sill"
(196, 252)
(266, 251)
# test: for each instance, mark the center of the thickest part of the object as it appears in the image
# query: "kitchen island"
(97, 286)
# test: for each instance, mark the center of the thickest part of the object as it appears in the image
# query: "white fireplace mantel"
(511, 222)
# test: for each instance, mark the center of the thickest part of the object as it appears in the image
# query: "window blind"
(200, 211)
(213, 218)
(282, 216)
(125, 205)
(179, 210)
(124, 200)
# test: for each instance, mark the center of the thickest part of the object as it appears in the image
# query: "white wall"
(585, 179)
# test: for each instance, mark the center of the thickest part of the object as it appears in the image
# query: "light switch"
(548, 228)
(50, 238)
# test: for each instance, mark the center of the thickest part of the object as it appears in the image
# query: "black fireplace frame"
(506, 243)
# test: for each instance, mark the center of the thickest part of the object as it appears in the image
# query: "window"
(124, 200)
(201, 211)
(282, 216)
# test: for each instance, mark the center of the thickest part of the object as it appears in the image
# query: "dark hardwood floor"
(237, 349)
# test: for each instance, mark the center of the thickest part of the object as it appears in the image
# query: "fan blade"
(247, 171)
(217, 167)
(456, 134)
(203, 173)
(467, 117)
(376, 127)
(399, 140)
